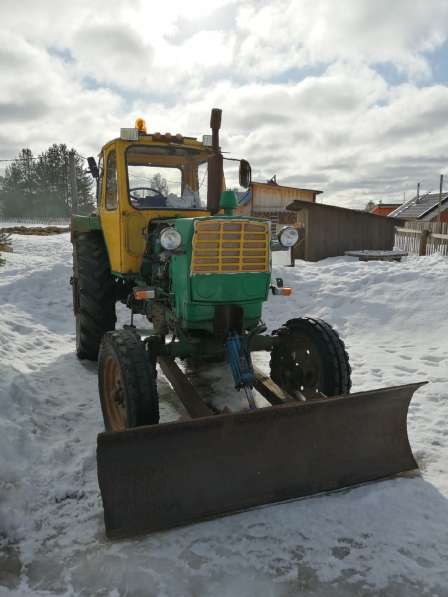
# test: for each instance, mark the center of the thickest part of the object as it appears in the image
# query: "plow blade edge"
(157, 477)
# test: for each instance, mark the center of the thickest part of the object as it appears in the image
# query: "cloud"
(222, 18)
(22, 111)
(41, 101)
(302, 83)
(320, 31)
(112, 54)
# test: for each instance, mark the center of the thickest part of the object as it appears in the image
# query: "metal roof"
(282, 186)
(416, 209)
(299, 204)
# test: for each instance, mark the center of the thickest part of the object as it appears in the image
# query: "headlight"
(288, 236)
(170, 239)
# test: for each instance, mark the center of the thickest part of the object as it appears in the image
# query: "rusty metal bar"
(187, 394)
(269, 389)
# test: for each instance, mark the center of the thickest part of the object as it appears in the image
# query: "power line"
(19, 159)
(37, 157)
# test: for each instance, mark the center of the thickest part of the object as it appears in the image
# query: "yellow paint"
(124, 228)
(110, 222)
(230, 246)
(135, 223)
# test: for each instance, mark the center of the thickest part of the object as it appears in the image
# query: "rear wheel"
(310, 359)
(93, 294)
(127, 382)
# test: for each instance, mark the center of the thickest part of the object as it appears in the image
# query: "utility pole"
(440, 199)
(73, 181)
(418, 192)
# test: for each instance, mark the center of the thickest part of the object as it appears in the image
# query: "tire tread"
(138, 374)
(332, 350)
(96, 294)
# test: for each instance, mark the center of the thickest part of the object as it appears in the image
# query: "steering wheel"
(136, 198)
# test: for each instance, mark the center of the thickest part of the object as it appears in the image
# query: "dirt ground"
(36, 230)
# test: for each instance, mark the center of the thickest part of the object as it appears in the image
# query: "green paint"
(195, 296)
(80, 224)
(228, 202)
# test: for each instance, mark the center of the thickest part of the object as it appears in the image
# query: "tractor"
(166, 241)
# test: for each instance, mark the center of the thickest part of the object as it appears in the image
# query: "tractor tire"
(310, 360)
(127, 382)
(93, 294)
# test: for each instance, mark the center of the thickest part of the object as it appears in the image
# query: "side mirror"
(93, 168)
(245, 174)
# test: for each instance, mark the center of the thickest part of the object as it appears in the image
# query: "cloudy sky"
(347, 96)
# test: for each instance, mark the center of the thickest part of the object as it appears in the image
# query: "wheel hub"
(114, 394)
(299, 369)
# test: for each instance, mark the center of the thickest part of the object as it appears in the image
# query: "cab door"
(109, 211)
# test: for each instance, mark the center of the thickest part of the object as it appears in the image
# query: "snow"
(387, 538)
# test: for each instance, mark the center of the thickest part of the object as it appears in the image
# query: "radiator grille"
(230, 247)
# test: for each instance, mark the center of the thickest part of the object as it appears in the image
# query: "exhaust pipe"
(215, 125)
(215, 167)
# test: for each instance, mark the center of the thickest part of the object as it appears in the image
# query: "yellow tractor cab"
(143, 176)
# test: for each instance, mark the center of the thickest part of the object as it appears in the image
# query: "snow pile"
(385, 538)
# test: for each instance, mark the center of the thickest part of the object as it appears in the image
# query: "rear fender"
(83, 224)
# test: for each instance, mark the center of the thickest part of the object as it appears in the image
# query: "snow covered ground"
(388, 538)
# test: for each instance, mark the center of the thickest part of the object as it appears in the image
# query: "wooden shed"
(270, 201)
(330, 230)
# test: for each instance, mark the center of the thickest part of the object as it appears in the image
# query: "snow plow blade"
(156, 477)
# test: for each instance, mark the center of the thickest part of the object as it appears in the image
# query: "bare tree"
(160, 184)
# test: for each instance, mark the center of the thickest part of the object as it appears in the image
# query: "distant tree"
(52, 171)
(18, 189)
(40, 186)
(369, 206)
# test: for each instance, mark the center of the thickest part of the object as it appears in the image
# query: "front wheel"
(127, 382)
(310, 359)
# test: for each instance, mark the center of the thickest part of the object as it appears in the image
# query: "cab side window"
(111, 182)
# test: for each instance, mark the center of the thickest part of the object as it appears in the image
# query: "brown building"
(384, 209)
(270, 200)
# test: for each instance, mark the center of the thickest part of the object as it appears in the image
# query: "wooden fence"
(422, 238)
(437, 227)
(437, 243)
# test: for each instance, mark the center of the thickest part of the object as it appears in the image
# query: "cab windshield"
(166, 177)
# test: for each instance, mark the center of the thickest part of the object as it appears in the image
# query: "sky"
(349, 97)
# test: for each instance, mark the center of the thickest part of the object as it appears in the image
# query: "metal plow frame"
(157, 477)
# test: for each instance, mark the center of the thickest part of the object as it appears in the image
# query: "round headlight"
(288, 236)
(170, 239)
